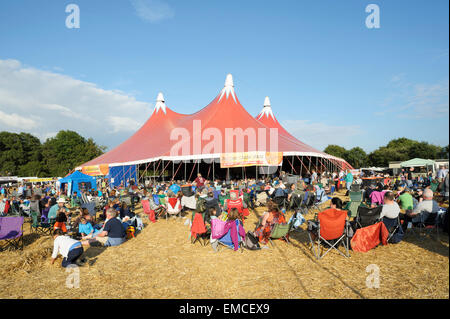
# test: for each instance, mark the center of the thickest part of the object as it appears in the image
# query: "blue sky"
(331, 80)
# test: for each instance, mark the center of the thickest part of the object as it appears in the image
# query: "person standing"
(348, 180)
(200, 181)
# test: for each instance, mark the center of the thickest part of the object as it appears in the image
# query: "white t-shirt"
(390, 211)
(62, 245)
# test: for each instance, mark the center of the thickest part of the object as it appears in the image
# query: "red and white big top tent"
(175, 137)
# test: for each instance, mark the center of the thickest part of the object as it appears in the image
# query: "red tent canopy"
(223, 126)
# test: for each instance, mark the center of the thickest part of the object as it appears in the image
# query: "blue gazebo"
(74, 182)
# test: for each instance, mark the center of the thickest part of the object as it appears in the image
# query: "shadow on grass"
(430, 241)
(302, 238)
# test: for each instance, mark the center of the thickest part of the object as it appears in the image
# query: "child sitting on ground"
(85, 229)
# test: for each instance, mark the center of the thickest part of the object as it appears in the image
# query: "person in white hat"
(60, 204)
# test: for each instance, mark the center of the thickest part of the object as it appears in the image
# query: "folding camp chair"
(156, 199)
(367, 216)
(309, 202)
(281, 231)
(280, 201)
(173, 207)
(393, 225)
(296, 201)
(331, 230)
(11, 232)
(198, 229)
(39, 227)
(428, 225)
(319, 200)
(355, 196)
(227, 242)
(162, 200)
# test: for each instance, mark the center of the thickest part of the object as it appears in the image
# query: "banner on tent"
(96, 170)
(242, 159)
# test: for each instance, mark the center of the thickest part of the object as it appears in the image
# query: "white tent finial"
(267, 110)
(229, 88)
(160, 103)
(229, 81)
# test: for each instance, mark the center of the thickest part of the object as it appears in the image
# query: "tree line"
(24, 155)
(401, 149)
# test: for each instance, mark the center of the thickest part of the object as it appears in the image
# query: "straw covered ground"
(162, 263)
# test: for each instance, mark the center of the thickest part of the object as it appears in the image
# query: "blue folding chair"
(156, 199)
(226, 239)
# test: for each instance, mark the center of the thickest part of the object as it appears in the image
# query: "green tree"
(20, 154)
(382, 156)
(444, 152)
(356, 157)
(424, 150)
(335, 150)
(66, 150)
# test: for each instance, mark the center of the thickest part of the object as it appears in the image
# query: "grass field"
(162, 263)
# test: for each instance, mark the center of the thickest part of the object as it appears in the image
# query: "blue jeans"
(114, 241)
(72, 256)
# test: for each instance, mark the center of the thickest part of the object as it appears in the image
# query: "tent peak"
(267, 109)
(160, 103)
(229, 88)
(229, 80)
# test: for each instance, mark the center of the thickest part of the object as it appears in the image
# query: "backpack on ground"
(251, 242)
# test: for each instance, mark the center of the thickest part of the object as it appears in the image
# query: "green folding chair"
(39, 227)
(280, 231)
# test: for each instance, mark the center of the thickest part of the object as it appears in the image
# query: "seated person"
(336, 204)
(425, 207)
(268, 220)
(113, 232)
(124, 213)
(236, 229)
(405, 200)
(212, 202)
(85, 229)
(61, 219)
(390, 207)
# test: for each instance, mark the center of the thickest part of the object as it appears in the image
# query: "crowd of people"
(218, 207)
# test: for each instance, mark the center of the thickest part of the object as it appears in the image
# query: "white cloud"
(416, 101)
(17, 121)
(319, 135)
(152, 10)
(42, 102)
(123, 124)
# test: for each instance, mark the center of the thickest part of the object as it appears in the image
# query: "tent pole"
(163, 170)
(256, 172)
(301, 168)
(198, 167)
(309, 165)
(214, 176)
(185, 164)
(292, 167)
(173, 170)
